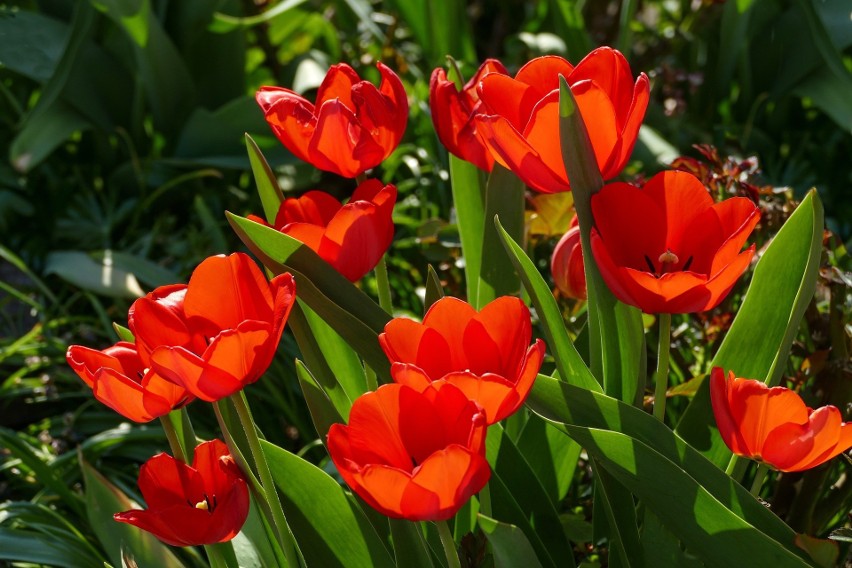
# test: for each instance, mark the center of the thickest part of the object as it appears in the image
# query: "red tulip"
(486, 354)
(566, 265)
(119, 379)
(520, 117)
(352, 127)
(219, 333)
(205, 503)
(667, 248)
(453, 112)
(774, 426)
(352, 237)
(412, 455)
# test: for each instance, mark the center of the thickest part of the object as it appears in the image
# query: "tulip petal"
(609, 69)
(449, 317)
(737, 217)
(356, 239)
(794, 447)
(155, 324)
(291, 118)
(598, 113)
(165, 481)
(337, 84)
(682, 198)
(340, 144)
(373, 431)
(542, 74)
(127, 397)
(309, 235)
(191, 372)
(630, 225)
(453, 474)
(509, 98)
(314, 207)
(630, 131)
(384, 489)
(411, 376)
(408, 341)
(497, 337)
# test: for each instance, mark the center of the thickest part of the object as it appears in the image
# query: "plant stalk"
(449, 544)
(383, 285)
(662, 375)
(171, 435)
(759, 477)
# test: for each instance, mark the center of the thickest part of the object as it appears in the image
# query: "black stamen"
(687, 263)
(650, 265)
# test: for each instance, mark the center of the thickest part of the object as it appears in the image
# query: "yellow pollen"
(202, 505)
(669, 257)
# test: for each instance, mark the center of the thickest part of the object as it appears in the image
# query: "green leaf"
(409, 545)
(616, 502)
(350, 312)
(103, 499)
(706, 526)
(758, 343)
(143, 269)
(568, 361)
(508, 544)
(616, 334)
(47, 549)
(101, 277)
(434, 288)
(823, 552)
(329, 529)
(324, 412)
(223, 23)
(468, 185)
(504, 199)
(41, 134)
(565, 404)
(123, 333)
(266, 182)
(551, 454)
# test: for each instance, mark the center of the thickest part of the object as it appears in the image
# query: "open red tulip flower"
(412, 455)
(519, 119)
(453, 112)
(350, 128)
(352, 237)
(486, 354)
(566, 265)
(205, 503)
(667, 247)
(773, 425)
(119, 379)
(219, 333)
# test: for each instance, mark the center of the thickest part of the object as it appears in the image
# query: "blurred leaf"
(43, 133)
(328, 528)
(123, 333)
(350, 312)
(552, 213)
(568, 361)
(508, 544)
(101, 277)
(103, 499)
(843, 534)
(781, 288)
(577, 528)
(48, 549)
(824, 552)
(504, 199)
(213, 136)
(223, 23)
(148, 272)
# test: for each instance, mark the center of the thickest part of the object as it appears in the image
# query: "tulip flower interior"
(426, 284)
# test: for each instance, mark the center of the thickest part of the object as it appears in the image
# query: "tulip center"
(206, 504)
(667, 263)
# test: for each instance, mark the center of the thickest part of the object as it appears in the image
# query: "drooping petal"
(630, 131)
(291, 118)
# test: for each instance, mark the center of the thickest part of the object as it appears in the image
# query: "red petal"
(384, 487)
(449, 317)
(453, 475)
(291, 118)
(737, 217)
(608, 68)
(314, 207)
(411, 376)
(407, 341)
(127, 397)
(497, 337)
(630, 131)
(190, 371)
(508, 98)
(243, 353)
(356, 238)
(310, 235)
(682, 198)
(338, 84)
(373, 431)
(542, 74)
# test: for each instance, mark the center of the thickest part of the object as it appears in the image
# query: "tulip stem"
(383, 285)
(662, 375)
(449, 544)
(285, 537)
(759, 477)
(737, 467)
(171, 435)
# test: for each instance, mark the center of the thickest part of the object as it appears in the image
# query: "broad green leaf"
(468, 185)
(758, 343)
(504, 199)
(616, 502)
(101, 277)
(266, 182)
(409, 545)
(506, 508)
(103, 499)
(734, 34)
(144, 270)
(551, 454)
(563, 404)
(350, 312)
(616, 334)
(661, 547)
(519, 478)
(508, 544)
(329, 530)
(255, 544)
(568, 361)
(324, 412)
(49, 549)
(706, 526)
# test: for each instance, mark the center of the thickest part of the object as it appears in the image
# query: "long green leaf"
(329, 530)
(469, 201)
(267, 185)
(551, 454)
(324, 411)
(504, 199)
(508, 543)
(758, 343)
(568, 361)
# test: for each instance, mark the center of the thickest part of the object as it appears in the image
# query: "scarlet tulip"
(667, 248)
(352, 237)
(412, 455)
(566, 265)
(351, 128)
(219, 333)
(519, 121)
(119, 379)
(453, 112)
(205, 503)
(773, 425)
(486, 354)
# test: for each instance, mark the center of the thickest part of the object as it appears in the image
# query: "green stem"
(235, 451)
(485, 500)
(383, 284)
(279, 520)
(737, 467)
(171, 435)
(449, 544)
(215, 556)
(762, 471)
(662, 374)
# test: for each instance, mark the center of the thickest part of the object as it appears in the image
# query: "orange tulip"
(352, 237)
(453, 112)
(412, 455)
(566, 265)
(119, 379)
(351, 128)
(773, 425)
(486, 354)
(219, 333)
(667, 248)
(205, 503)
(519, 120)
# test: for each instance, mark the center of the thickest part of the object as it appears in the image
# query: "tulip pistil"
(205, 505)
